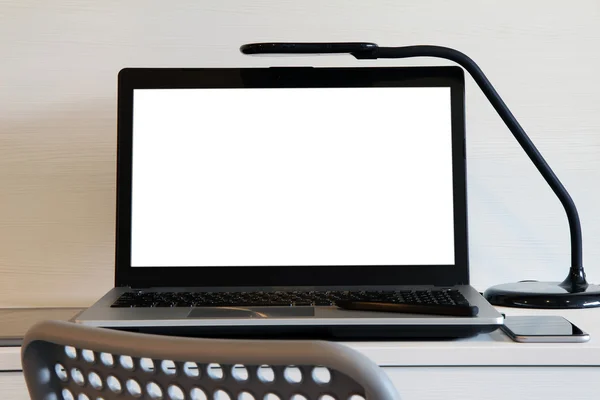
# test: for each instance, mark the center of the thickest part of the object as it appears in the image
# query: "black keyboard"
(448, 297)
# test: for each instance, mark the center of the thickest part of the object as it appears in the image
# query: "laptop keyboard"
(296, 298)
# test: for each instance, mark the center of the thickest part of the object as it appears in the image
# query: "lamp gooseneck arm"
(575, 281)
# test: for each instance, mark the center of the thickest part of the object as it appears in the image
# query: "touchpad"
(251, 312)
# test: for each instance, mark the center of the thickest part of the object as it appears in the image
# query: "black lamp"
(574, 291)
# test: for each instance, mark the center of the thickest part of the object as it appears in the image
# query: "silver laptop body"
(288, 185)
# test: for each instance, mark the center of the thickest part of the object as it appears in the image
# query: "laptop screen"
(292, 177)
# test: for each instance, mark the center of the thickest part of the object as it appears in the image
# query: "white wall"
(57, 119)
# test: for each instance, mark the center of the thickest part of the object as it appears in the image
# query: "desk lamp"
(574, 291)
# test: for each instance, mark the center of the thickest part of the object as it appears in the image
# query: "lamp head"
(357, 49)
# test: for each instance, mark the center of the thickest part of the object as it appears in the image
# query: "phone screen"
(541, 326)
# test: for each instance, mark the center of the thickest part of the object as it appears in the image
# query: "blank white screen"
(314, 176)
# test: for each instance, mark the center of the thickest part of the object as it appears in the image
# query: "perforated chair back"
(63, 360)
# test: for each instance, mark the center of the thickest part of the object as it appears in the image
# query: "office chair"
(63, 360)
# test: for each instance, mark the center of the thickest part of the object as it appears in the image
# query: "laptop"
(251, 200)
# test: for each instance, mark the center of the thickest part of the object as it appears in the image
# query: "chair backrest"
(63, 360)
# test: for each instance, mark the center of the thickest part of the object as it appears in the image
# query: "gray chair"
(63, 360)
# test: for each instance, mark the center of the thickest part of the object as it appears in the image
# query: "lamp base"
(548, 295)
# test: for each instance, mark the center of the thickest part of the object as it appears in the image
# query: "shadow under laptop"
(341, 333)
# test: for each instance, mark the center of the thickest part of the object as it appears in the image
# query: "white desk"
(486, 367)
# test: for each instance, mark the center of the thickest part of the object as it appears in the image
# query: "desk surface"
(494, 349)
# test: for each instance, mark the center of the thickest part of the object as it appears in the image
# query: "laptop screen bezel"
(130, 79)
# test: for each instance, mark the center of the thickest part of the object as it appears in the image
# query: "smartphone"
(543, 329)
(306, 48)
